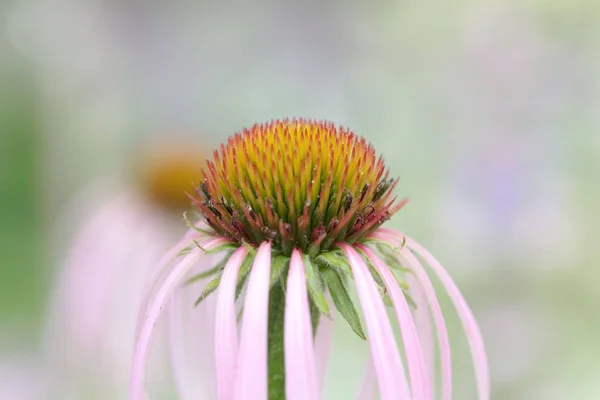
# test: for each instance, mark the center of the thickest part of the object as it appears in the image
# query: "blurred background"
(487, 110)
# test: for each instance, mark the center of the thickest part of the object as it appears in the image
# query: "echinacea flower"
(296, 209)
(120, 226)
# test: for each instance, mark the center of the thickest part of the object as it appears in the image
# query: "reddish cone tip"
(297, 183)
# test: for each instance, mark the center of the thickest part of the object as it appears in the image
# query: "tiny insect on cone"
(296, 208)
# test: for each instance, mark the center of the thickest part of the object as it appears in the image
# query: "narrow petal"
(159, 269)
(323, 349)
(469, 323)
(192, 341)
(438, 317)
(384, 350)
(422, 318)
(226, 343)
(300, 374)
(368, 387)
(178, 359)
(93, 262)
(412, 346)
(251, 378)
(142, 348)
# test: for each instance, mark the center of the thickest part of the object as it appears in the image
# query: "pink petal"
(251, 378)
(178, 351)
(142, 349)
(192, 339)
(412, 346)
(368, 387)
(323, 349)
(422, 318)
(300, 374)
(438, 317)
(155, 309)
(384, 351)
(469, 323)
(93, 263)
(159, 269)
(226, 344)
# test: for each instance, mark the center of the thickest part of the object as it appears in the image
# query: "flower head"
(295, 209)
(296, 183)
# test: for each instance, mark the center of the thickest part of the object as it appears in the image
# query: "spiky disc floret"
(298, 183)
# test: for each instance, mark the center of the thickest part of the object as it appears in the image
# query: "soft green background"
(487, 110)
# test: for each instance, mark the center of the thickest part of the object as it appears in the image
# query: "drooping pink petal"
(95, 306)
(142, 349)
(251, 377)
(192, 339)
(160, 268)
(226, 343)
(155, 309)
(323, 349)
(178, 359)
(384, 351)
(414, 357)
(438, 317)
(422, 318)
(93, 263)
(300, 374)
(469, 323)
(368, 386)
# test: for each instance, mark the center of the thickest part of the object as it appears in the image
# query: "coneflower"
(296, 209)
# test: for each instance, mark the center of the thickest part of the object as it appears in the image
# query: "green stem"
(276, 358)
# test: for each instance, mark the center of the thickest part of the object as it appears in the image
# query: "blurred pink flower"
(118, 228)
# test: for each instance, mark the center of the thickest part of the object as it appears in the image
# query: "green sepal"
(191, 225)
(404, 287)
(410, 301)
(210, 287)
(334, 259)
(316, 287)
(394, 266)
(385, 296)
(315, 315)
(209, 272)
(218, 249)
(251, 249)
(240, 314)
(243, 274)
(342, 301)
(279, 265)
(387, 300)
(387, 255)
(385, 243)
(376, 276)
